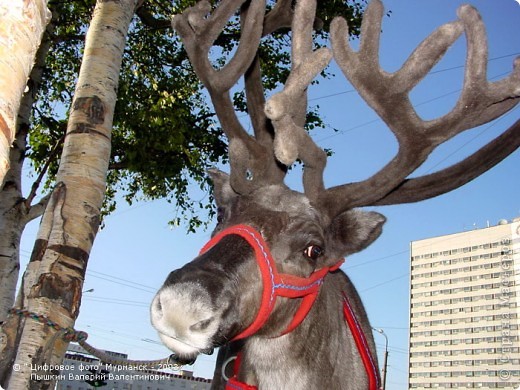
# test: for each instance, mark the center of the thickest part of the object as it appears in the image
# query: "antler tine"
(387, 94)
(440, 182)
(487, 101)
(198, 32)
(287, 109)
(281, 15)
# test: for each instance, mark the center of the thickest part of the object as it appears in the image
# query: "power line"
(117, 301)
(384, 283)
(364, 263)
(462, 66)
(111, 339)
(473, 138)
(121, 281)
(140, 339)
(417, 105)
(430, 73)
(378, 119)
(392, 348)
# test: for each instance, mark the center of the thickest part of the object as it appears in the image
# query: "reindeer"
(268, 284)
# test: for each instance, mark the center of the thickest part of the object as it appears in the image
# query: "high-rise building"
(465, 309)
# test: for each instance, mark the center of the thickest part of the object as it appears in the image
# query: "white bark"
(15, 210)
(53, 280)
(9, 256)
(22, 23)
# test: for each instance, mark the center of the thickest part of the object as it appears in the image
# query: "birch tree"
(54, 278)
(17, 211)
(22, 24)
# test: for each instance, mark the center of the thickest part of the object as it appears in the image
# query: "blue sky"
(135, 252)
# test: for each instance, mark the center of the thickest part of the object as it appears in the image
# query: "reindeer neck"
(315, 347)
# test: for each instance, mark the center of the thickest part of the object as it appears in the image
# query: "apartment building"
(465, 309)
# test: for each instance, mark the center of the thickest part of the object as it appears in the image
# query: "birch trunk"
(13, 213)
(15, 210)
(54, 277)
(22, 23)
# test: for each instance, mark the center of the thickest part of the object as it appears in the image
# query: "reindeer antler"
(387, 93)
(252, 163)
(287, 109)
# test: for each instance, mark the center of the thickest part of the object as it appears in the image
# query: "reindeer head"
(218, 296)
(221, 292)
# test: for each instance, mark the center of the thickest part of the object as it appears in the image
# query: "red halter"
(274, 283)
(290, 286)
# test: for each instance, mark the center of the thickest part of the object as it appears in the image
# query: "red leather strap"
(233, 383)
(267, 268)
(374, 382)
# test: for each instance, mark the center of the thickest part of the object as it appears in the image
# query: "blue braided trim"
(299, 288)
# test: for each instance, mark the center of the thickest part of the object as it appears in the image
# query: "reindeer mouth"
(184, 320)
(184, 348)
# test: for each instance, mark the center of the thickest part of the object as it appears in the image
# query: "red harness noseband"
(290, 286)
(274, 283)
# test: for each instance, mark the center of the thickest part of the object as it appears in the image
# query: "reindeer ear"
(222, 190)
(352, 231)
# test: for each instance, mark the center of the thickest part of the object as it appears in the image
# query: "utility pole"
(385, 358)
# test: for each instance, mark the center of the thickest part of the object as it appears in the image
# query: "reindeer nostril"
(201, 325)
(157, 307)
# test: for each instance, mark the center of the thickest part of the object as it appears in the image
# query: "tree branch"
(149, 20)
(37, 209)
(68, 37)
(36, 184)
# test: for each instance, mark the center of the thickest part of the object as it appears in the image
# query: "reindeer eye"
(313, 252)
